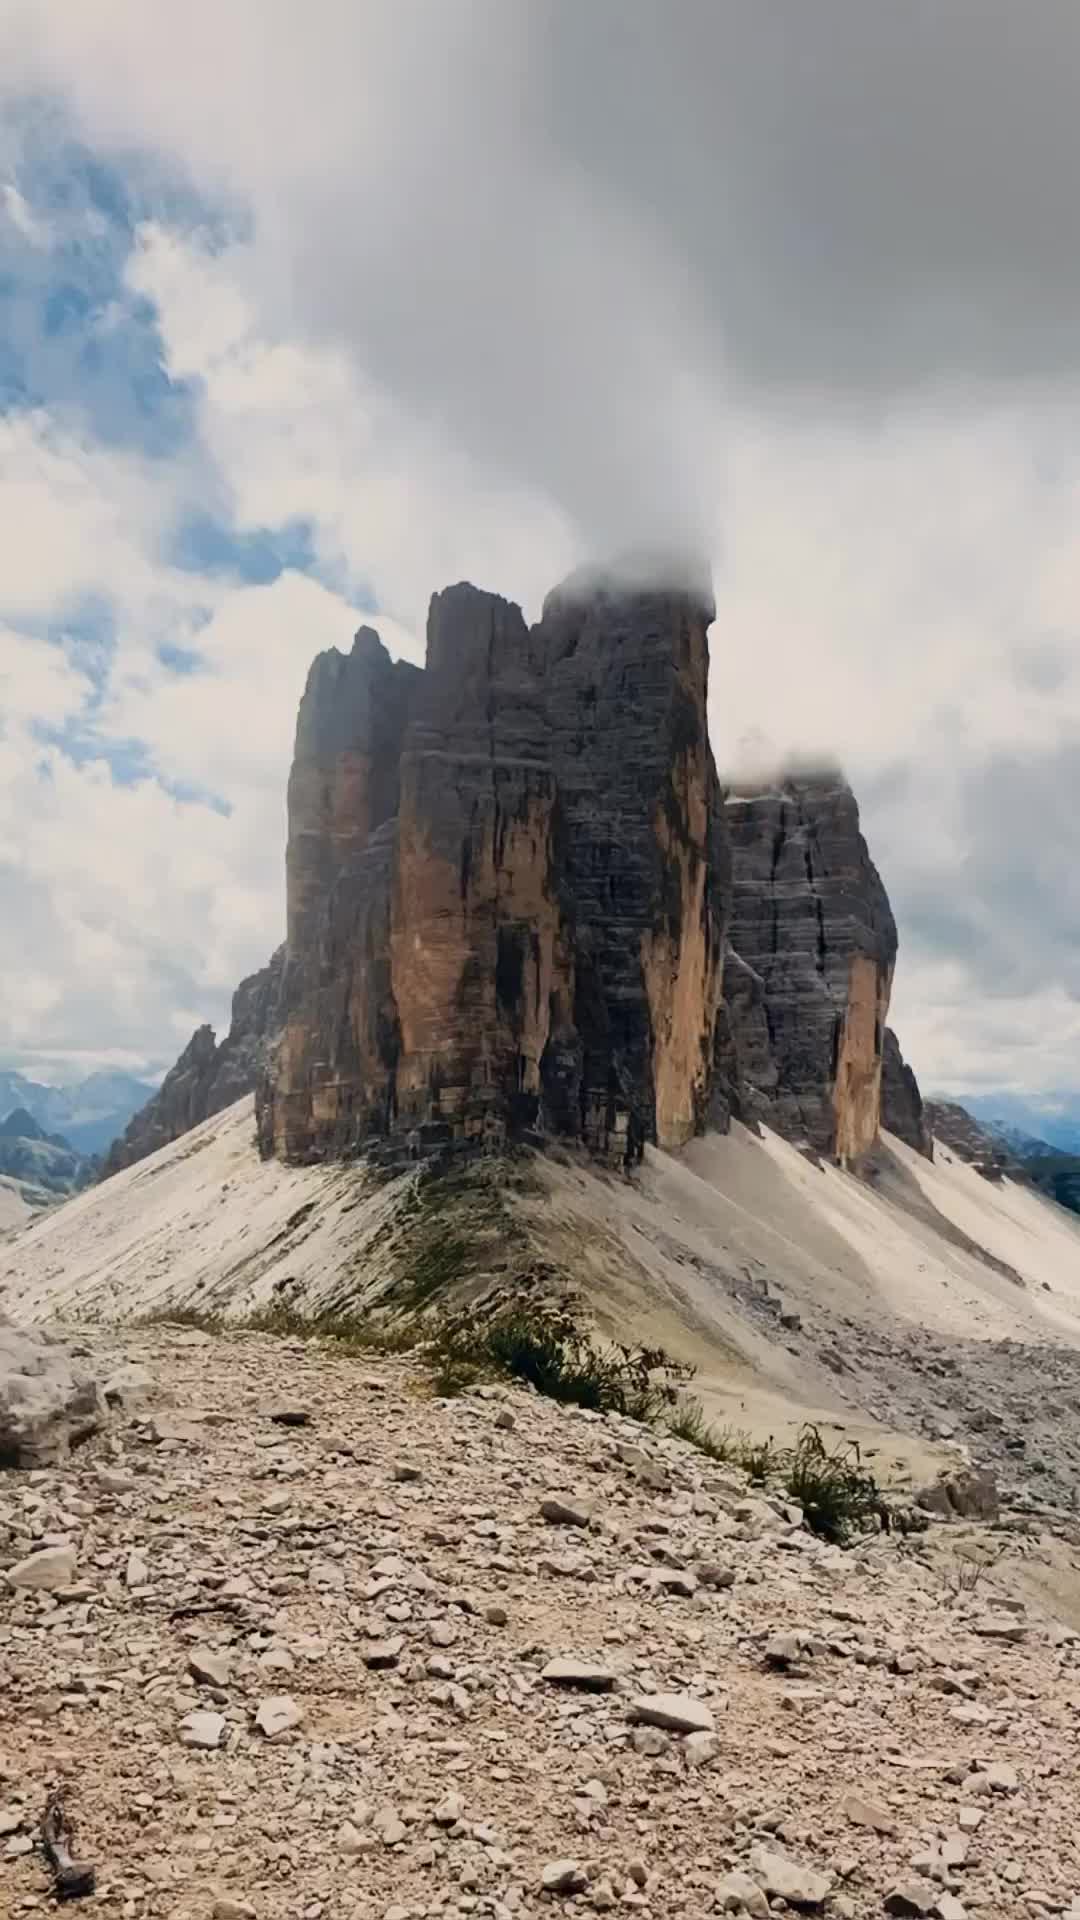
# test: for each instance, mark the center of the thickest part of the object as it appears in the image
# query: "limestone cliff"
(902, 1110)
(207, 1077)
(506, 881)
(517, 900)
(801, 1044)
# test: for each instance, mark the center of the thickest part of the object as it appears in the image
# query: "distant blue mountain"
(89, 1114)
(1056, 1121)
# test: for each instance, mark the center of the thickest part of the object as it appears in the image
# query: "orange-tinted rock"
(506, 881)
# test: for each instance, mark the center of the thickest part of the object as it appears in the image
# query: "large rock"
(506, 881)
(902, 1110)
(802, 1043)
(48, 1399)
(207, 1077)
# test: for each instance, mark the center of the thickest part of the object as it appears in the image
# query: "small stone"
(784, 1650)
(291, 1417)
(677, 1580)
(278, 1715)
(675, 1712)
(701, 1749)
(948, 1907)
(442, 1633)
(389, 1827)
(278, 1502)
(712, 1574)
(564, 1513)
(1000, 1777)
(213, 1669)
(999, 1627)
(46, 1571)
(383, 1653)
(449, 1811)
(405, 1471)
(350, 1839)
(136, 1573)
(650, 1742)
(868, 1813)
(203, 1731)
(737, 1893)
(496, 1616)
(563, 1876)
(789, 1880)
(911, 1897)
(228, 1908)
(504, 1420)
(580, 1674)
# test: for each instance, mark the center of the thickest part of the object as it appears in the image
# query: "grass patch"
(544, 1347)
(355, 1332)
(730, 1446)
(837, 1494)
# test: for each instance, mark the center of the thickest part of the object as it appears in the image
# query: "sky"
(307, 312)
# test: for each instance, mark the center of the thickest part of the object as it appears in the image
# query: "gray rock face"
(902, 1111)
(48, 1399)
(802, 1044)
(208, 1077)
(507, 879)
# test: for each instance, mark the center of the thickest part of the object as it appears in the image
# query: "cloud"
(411, 293)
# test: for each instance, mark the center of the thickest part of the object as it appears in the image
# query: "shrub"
(544, 1346)
(837, 1494)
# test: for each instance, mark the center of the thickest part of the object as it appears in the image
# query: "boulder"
(49, 1399)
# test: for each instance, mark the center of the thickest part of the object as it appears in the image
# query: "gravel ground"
(356, 1612)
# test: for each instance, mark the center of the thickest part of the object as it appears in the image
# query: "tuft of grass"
(837, 1494)
(544, 1347)
(355, 1332)
(730, 1446)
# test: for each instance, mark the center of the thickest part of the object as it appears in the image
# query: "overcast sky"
(308, 310)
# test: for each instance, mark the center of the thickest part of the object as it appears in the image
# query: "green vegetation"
(356, 1332)
(543, 1346)
(837, 1494)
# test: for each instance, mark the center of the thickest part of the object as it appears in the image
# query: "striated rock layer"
(802, 1040)
(902, 1109)
(507, 880)
(517, 899)
(207, 1077)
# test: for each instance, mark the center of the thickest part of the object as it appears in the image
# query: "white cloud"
(505, 282)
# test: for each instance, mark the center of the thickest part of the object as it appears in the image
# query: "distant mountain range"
(42, 1167)
(1000, 1146)
(1009, 1114)
(89, 1114)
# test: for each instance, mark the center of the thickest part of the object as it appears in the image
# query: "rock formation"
(802, 1039)
(506, 881)
(207, 1077)
(517, 900)
(49, 1398)
(902, 1110)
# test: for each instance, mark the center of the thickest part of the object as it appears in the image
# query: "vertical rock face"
(207, 1078)
(803, 1042)
(507, 878)
(902, 1110)
(645, 868)
(517, 899)
(335, 1062)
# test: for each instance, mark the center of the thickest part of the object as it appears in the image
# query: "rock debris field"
(292, 1640)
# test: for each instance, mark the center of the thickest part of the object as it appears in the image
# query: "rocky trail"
(296, 1641)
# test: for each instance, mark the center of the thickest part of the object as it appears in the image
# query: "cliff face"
(802, 1041)
(902, 1110)
(207, 1078)
(516, 899)
(506, 879)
